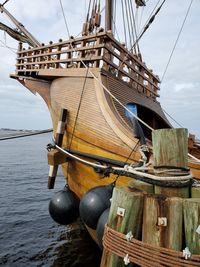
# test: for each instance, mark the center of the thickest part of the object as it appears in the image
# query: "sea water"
(28, 236)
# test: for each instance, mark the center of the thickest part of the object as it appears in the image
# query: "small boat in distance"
(103, 101)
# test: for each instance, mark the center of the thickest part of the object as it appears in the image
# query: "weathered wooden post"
(162, 221)
(191, 208)
(145, 187)
(125, 216)
(195, 191)
(170, 151)
(163, 212)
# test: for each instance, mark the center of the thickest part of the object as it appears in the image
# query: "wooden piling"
(125, 216)
(139, 185)
(172, 192)
(191, 210)
(195, 191)
(170, 149)
(162, 221)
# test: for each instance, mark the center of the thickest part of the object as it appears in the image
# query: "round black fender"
(101, 226)
(93, 204)
(64, 206)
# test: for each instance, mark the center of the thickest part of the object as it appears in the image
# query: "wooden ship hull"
(96, 121)
(94, 80)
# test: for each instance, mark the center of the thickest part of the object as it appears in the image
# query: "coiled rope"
(145, 254)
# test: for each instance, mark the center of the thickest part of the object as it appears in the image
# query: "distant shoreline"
(17, 130)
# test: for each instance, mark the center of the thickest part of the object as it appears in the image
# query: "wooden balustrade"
(96, 51)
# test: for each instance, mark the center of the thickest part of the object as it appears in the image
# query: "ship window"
(133, 108)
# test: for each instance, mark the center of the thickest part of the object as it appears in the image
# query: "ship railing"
(99, 50)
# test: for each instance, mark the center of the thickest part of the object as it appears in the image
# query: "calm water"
(28, 236)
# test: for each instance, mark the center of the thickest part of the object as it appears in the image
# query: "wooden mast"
(108, 15)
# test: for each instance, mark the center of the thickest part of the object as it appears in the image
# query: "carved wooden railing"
(95, 51)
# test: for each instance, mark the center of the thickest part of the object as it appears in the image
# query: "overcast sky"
(180, 90)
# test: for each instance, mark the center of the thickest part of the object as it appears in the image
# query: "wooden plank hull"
(95, 125)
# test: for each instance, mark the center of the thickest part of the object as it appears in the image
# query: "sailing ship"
(103, 101)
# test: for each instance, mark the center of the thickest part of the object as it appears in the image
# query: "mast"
(108, 15)
(20, 27)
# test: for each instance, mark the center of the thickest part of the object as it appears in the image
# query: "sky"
(180, 89)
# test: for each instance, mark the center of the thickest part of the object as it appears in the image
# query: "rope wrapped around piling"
(145, 254)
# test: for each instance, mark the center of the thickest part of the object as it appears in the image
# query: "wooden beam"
(58, 140)
(108, 15)
(55, 157)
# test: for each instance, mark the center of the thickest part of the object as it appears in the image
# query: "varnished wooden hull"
(95, 123)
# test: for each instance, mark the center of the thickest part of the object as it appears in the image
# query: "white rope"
(128, 169)
(154, 177)
(79, 159)
(193, 157)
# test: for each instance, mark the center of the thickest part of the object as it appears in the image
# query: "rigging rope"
(114, 21)
(126, 161)
(140, 21)
(150, 14)
(105, 89)
(135, 116)
(79, 105)
(188, 10)
(146, 26)
(129, 28)
(63, 12)
(130, 14)
(150, 20)
(5, 2)
(149, 23)
(117, 100)
(123, 16)
(172, 118)
(10, 48)
(134, 26)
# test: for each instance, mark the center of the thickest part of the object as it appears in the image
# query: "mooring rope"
(26, 134)
(137, 173)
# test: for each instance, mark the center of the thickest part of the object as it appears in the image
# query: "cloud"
(183, 86)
